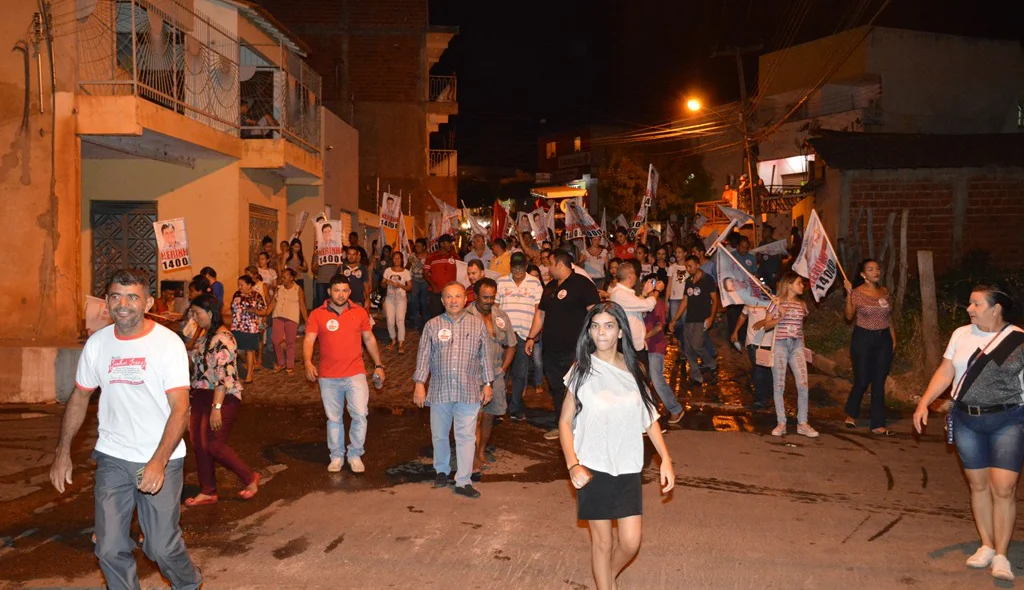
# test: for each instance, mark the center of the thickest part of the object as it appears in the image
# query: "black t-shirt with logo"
(698, 298)
(565, 308)
(357, 277)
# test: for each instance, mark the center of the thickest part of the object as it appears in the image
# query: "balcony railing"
(279, 101)
(163, 52)
(443, 163)
(443, 89)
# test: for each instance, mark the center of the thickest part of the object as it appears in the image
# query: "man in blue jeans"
(142, 368)
(454, 353)
(343, 328)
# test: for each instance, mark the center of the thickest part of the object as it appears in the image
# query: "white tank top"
(287, 306)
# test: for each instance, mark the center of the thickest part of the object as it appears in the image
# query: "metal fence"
(279, 101)
(164, 52)
(443, 163)
(443, 89)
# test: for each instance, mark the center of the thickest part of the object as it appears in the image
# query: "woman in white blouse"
(398, 281)
(601, 427)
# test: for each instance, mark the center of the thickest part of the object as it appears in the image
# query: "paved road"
(749, 510)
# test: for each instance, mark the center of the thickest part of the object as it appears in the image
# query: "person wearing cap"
(563, 307)
(439, 269)
(519, 294)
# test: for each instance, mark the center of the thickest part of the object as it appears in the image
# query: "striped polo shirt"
(519, 301)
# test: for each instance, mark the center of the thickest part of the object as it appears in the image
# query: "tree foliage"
(622, 181)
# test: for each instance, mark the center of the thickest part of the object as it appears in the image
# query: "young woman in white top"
(398, 280)
(606, 412)
(595, 260)
(288, 305)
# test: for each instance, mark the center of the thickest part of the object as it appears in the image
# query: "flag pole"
(831, 247)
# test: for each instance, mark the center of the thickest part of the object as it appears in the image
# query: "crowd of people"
(592, 321)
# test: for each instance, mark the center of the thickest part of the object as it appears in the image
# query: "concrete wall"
(935, 83)
(39, 184)
(801, 66)
(207, 197)
(953, 212)
(341, 163)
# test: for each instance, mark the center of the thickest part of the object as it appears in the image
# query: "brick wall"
(386, 67)
(992, 222)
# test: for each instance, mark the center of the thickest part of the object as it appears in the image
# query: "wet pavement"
(750, 510)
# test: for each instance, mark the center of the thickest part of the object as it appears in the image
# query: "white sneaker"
(1001, 568)
(551, 435)
(806, 430)
(356, 464)
(981, 558)
(779, 430)
(336, 465)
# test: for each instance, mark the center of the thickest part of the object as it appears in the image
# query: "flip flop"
(885, 432)
(248, 494)
(850, 423)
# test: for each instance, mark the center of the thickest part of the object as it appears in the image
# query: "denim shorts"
(990, 440)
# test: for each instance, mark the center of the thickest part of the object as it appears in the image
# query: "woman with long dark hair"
(984, 362)
(603, 418)
(246, 304)
(296, 261)
(215, 397)
(874, 341)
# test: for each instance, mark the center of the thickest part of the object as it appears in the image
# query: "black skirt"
(609, 497)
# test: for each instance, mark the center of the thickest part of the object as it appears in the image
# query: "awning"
(557, 192)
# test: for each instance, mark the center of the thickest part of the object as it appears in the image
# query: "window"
(550, 150)
(577, 144)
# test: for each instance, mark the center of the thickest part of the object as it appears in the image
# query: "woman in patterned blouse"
(874, 340)
(215, 397)
(245, 321)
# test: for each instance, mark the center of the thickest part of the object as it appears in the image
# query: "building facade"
(149, 110)
(380, 65)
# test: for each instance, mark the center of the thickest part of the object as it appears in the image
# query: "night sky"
(567, 62)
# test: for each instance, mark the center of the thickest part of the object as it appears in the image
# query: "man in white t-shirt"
(142, 369)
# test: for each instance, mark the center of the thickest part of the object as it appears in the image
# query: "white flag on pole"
(698, 222)
(620, 221)
(604, 226)
(710, 240)
(740, 218)
(776, 248)
(670, 236)
(735, 285)
(817, 261)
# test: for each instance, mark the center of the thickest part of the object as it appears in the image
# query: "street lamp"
(693, 105)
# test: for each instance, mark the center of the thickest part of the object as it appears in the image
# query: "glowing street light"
(693, 105)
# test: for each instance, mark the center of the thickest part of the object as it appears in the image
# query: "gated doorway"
(122, 237)
(262, 222)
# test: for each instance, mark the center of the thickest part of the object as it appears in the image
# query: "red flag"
(499, 221)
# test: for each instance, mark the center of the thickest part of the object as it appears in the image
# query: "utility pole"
(737, 53)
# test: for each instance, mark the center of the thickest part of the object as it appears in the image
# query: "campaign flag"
(403, 237)
(604, 226)
(645, 205)
(433, 229)
(583, 218)
(736, 286)
(499, 220)
(737, 217)
(390, 211)
(698, 222)
(551, 219)
(620, 221)
(776, 248)
(711, 240)
(328, 243)
(538, 224)
(475, 227)
(301, 223)
(172, 241)
(449, 216)
(573, 227)
(817, 261)
(669, 236)
(523, 223)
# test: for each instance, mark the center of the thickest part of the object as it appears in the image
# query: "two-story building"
(149, 110)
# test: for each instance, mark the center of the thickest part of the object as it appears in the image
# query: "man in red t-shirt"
(623, 248)
(439, 269)
(343, 328)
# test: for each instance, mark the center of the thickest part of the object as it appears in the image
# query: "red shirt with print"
(625, 251)
(341, 339)
(439, 270)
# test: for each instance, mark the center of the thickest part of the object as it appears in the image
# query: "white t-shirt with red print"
(134, 376)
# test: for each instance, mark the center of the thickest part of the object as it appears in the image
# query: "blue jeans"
(463, 416)
(761, 377)
(538, 363)
(698, 344)
(790, 351)
(337, 394)
(656, 360)
(116, 498)
(418, 304)
(521, 372)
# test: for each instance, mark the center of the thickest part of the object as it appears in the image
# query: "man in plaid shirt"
(453, 352)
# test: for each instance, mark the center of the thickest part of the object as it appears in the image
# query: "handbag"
(765, 357)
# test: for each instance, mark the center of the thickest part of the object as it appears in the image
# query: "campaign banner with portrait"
(329, 249)
(390, 211)
(172, 243)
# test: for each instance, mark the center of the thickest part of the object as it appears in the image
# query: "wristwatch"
(217, 406)
(378, 366)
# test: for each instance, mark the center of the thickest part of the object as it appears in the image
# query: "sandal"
(883, 432)
(196, 501)
(249, 494)
(850, 423)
